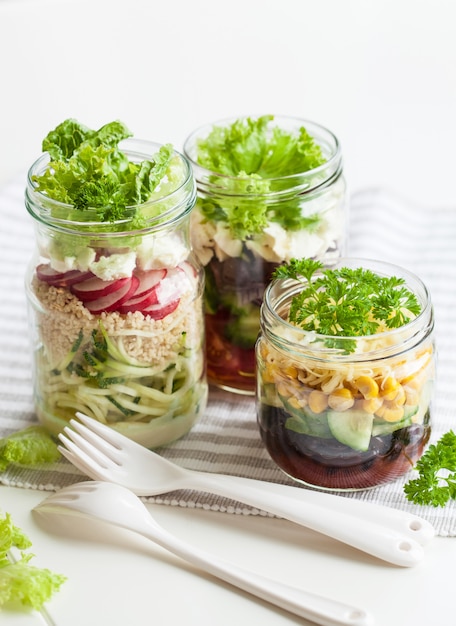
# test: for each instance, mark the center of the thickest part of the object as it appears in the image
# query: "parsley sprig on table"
(436, 483)
(347, 302)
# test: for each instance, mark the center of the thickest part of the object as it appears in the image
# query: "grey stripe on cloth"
(226, 439)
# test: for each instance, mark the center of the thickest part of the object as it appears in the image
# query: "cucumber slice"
(382, 427)
(352, 428)
(409, 411)
(289, 408)
(305, 421)
(318, 423)
(297, 425)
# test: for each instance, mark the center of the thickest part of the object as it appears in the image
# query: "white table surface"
(116, 578)
(381, 76)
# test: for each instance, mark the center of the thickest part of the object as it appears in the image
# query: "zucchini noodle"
(97, 377)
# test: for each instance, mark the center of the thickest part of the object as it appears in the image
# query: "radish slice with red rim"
(95, 288)
(148, 280)
(159, 311)
(52, 277)
(138, 303)
(113, 300)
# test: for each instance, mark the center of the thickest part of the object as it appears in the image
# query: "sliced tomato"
(228, 364)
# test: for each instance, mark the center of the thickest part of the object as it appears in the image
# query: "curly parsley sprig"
(436, 483)
(347, 302)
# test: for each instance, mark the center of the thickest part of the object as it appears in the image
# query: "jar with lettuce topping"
(345, 375)
(115, 292)
(269, 189)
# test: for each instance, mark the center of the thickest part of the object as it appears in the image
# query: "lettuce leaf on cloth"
(30, 446)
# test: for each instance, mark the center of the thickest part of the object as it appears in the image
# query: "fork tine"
(105, 432)
(86, 468)
(114, 437)
(92, 443)
(88, 453)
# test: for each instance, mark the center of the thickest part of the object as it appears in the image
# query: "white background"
(379, 73)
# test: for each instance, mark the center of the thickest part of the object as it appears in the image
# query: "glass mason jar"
(116, 313)
(338, 419)
(304, 215)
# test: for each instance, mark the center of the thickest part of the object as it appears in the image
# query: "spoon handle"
(325, 513)
(316, 608)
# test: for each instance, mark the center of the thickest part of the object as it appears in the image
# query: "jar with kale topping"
(269, 189)
(115, 292)
(346, 369)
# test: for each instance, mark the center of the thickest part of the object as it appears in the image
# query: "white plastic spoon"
(117, 505)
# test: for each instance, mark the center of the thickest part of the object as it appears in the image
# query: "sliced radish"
(138, 303)
(172, 286)
(159, 311)
(189, 269)
(52, 277)
(95, 288)
(113, 300)
(154, 292)
(148, 280)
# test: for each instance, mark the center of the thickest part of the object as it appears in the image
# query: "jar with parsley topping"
(269, 189)
(346, 367)
(115, 292)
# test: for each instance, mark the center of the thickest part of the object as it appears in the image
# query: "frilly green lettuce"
(30, 446)
(20, 582)
(87, 170)
(255, 160)
(254, 146)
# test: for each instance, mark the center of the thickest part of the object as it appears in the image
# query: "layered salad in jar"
(269, 189)
(115, 292)
(346, 368)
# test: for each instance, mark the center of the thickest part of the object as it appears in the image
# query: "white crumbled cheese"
(175, 284)
(63, 265)
(225, 245)
(85, 258)
(203, 232)
(332, 223)
(82, 261)
(271, 244)
(274, 244)
(303, 243)
(114, 266)
(156, 252)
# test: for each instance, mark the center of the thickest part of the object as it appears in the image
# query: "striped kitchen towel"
(226, 439)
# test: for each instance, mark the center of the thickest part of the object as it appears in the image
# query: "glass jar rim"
(298, 339)
(182, 197)
(333, 162)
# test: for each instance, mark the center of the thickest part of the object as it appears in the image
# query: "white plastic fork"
(117, 505)
(104, 454)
